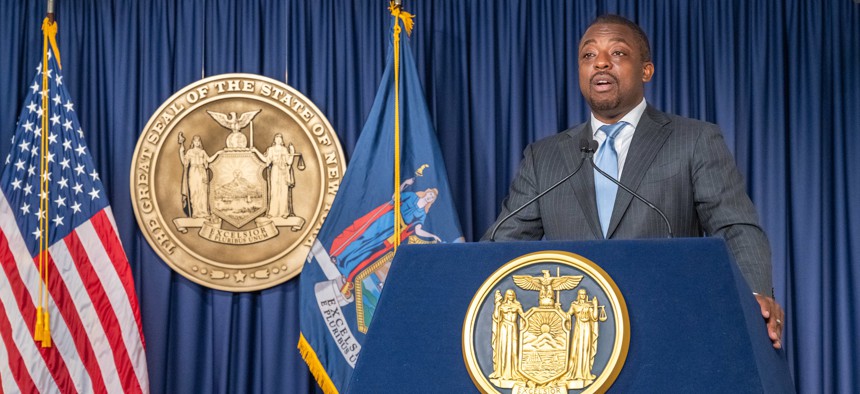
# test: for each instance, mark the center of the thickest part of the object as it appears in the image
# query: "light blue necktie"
(607, 160)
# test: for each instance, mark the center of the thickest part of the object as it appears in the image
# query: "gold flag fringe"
(314, 365)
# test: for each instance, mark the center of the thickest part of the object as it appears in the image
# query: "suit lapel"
(651, 133)
(583, 182)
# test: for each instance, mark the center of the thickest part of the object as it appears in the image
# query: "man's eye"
(588, 55)
(618, 53)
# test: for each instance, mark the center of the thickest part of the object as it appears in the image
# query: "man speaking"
(681, 165)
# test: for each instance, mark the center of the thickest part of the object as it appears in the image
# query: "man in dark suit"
(682, 165)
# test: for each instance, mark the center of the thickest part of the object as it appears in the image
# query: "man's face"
(612, 74)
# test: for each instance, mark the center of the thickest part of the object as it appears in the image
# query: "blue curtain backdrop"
(781, 77)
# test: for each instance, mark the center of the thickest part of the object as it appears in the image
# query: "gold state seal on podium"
(546, 323)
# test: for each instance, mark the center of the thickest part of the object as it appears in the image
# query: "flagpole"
(51, 11)
(42, 331)
(398, 216)
(396, 8)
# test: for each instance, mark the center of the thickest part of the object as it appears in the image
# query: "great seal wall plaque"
(232, 179)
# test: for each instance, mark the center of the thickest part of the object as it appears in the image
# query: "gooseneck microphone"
(634, 194)
(587, 150)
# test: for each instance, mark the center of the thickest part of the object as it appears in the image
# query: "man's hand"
(773, 317)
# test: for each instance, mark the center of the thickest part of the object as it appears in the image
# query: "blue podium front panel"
(695, 325)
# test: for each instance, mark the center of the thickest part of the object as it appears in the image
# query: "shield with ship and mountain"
(237, 191)
(545, 347)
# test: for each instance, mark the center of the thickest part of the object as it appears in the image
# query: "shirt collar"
(631, 117)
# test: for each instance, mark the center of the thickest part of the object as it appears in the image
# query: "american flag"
(98, 343)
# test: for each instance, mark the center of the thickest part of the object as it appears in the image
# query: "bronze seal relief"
(232, 179)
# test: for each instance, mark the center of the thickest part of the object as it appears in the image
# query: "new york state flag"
(347, 268)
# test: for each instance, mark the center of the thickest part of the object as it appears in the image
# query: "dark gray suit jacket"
(681, 165)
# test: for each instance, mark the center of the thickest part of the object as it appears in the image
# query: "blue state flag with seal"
(349, 261)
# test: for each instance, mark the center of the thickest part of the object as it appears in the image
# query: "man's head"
(614, 64)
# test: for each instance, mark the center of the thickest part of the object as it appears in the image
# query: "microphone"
(587, 150)
(634, 194)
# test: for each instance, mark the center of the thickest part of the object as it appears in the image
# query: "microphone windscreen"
(583, 144)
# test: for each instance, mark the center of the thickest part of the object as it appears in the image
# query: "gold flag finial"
(397, 11)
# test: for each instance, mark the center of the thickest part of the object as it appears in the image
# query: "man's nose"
(602, 61)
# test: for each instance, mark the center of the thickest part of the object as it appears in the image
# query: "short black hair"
(613, 19)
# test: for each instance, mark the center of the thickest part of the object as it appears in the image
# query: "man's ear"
(647, 71)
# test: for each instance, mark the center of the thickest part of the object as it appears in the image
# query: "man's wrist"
(771, 293)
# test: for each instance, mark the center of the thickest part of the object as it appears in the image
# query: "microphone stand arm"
(533, 199)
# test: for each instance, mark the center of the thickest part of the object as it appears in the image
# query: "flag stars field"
(74, 167)
(28, 156)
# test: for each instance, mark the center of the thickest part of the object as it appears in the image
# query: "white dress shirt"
(622, 140)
